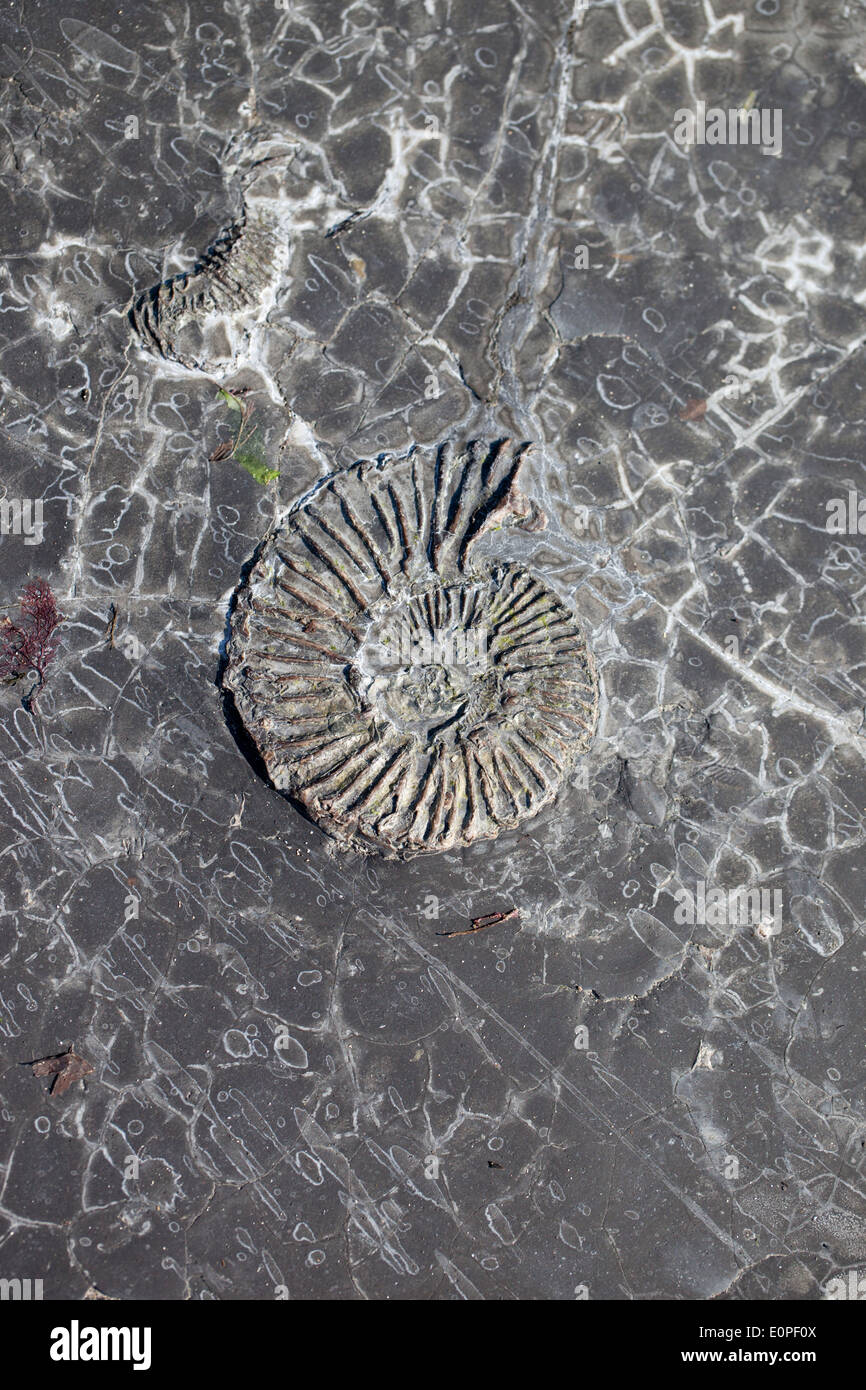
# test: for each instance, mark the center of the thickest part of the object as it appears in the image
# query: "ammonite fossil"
(412, 701)
(193, 317)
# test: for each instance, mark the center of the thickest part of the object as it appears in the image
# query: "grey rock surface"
(485, 227)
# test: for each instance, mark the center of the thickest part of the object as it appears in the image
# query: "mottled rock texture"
(489, 231)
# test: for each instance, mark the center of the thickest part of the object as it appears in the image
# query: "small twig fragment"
(492, 919)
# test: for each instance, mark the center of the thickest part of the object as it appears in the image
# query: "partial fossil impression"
(199, 317)
(412, 702)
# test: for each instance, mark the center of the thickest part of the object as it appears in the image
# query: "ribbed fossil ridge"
(411, 702)
(234, 280)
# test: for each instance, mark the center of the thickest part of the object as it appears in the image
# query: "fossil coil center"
(425, 665)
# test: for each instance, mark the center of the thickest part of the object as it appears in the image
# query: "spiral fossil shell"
(412, 702)
(193, 317)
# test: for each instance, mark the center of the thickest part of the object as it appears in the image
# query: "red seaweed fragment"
(30, 644)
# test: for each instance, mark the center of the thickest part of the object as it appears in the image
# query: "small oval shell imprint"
(412, 702)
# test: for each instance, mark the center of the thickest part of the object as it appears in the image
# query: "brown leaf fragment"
(65, 1067)
(693, 409)
(492, 919)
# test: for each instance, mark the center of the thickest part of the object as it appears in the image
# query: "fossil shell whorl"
(411, 701)
(193, 317)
